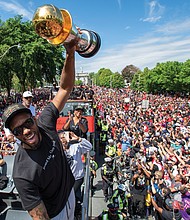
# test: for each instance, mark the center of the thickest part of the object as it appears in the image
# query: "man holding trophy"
(41, 173)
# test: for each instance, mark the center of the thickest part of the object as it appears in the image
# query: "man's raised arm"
(67, 77)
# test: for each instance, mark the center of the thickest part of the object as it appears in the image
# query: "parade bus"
(9, 194)
(70, 106)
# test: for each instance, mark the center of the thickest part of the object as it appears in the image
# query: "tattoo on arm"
(39, 212)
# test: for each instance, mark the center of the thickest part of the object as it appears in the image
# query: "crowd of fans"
(152, 142)
(41, 97)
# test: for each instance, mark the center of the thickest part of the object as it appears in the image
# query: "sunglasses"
(28, 97)
(27, 124)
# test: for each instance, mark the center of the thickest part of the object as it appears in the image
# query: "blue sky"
(138, 32)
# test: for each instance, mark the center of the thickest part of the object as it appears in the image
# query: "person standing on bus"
(27, 102)
(76, 123)
(41, 173)
(74, 148)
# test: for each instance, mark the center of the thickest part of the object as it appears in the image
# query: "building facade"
(84, 77)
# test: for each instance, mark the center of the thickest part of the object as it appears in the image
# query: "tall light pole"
(16, 45)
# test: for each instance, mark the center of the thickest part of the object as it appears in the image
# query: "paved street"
(97, 204)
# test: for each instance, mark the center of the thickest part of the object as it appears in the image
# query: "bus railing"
(85, 207)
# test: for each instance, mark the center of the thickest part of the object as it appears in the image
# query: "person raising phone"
(77, 123)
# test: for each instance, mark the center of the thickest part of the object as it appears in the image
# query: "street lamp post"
(16, 45)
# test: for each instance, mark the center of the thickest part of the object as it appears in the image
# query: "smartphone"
(66, 134)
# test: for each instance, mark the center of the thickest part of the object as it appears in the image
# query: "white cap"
(107, 159)
(110, 141)
(27, 94)
(177, 124)
(122, 187)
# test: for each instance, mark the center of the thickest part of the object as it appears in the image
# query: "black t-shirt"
(44, 174)
(76, 129)
(168, 215)
(140, 185)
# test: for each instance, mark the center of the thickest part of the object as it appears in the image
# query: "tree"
(36, 60)
(117, 81)
(128, 72)
(103, 77)
(106, 78)
(165, 77)
(184, 77)
(78, 82)
(136, 82)
(168, 76)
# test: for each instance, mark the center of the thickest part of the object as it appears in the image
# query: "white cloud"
(16, 8)
(174, 27)
(152, 19)
(155, 12)
(143, 52)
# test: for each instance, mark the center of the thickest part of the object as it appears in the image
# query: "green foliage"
(106, 78)
(78, 82)
(165, 77)
(34, 62)
(117, 81)
(91, 75)
(136, 81)
(16, 85)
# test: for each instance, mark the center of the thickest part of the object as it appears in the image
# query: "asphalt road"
(96, 202)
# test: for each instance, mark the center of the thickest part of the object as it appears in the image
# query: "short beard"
(31, 147)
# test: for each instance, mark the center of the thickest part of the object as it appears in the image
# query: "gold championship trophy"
(56, 27)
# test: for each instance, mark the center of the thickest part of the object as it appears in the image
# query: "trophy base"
(94, 44)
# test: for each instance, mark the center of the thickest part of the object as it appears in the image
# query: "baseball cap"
(79, 108)
(110, 141)
(11, 111)
(27, 94)
(107, 159)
